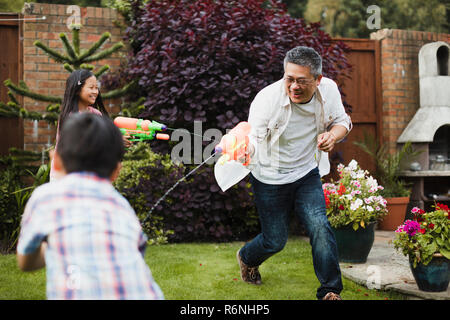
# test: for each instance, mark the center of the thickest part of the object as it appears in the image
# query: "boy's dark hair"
(89, 142)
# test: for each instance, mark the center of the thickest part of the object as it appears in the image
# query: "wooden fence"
(11, 130)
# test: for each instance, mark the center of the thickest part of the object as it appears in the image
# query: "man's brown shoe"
(332, 296)
(248, 274)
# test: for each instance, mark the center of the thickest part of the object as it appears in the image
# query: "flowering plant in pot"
(353, 206)
(426, 234)
(354, 199)
(426, 241)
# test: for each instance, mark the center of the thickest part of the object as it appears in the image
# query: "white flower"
(355, 205)
(360, 174)
(353, 165)
(372, 183)
(369, 208)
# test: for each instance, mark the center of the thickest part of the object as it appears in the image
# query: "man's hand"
(248, 153)
(326, 141)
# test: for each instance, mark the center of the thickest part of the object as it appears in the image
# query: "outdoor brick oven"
(429, 129)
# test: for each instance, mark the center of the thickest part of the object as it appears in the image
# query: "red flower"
(431, 225)
(327, 201)
(422, 231)
(440, 206)
(341, 190)
(341, 207)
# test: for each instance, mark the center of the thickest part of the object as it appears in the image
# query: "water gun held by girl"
(140, 129)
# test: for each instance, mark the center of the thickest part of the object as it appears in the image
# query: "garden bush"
(205, 61)
(9, 213)
(19, 176)
(196, 210)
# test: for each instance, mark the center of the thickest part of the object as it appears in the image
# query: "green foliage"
(11, 5)
(388, 166)
(140, 156)
(122, 6)
(9, 217)
(426, 235)
(18, 179)
(296, 8)
(347, 18)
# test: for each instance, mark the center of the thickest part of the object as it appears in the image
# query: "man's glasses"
(300, 81)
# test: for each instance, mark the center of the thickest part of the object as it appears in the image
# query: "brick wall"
(45, 76)
(400, 77)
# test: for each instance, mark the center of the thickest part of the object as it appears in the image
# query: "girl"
(81, 95)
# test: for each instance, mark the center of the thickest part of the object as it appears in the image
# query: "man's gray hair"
(305, 57)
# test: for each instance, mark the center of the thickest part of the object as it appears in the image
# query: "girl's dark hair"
(90, 143)
(74, 84)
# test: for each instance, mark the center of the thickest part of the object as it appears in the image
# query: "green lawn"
(208, 271)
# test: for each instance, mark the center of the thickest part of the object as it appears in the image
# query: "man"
(295, 122)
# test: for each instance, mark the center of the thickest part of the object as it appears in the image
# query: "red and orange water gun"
(233, 145)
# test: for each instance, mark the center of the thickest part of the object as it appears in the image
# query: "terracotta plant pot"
(396, 213)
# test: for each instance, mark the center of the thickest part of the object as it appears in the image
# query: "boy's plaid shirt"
(95, 242)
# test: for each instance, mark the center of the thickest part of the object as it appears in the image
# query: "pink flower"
(356, 183)
(415, 210)
(411, 227)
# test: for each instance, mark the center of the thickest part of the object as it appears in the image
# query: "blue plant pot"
(434, 277)
(354, 246)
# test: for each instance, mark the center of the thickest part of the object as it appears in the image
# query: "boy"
(79, 227)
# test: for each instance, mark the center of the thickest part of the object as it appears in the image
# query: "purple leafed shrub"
(201, 60)
(205, 60)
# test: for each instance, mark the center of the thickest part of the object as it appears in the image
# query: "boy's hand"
(32, 261)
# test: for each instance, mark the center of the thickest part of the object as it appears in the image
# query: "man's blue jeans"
(305, 197)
